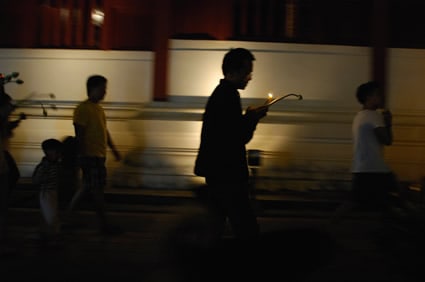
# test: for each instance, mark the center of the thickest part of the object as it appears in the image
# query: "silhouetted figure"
(47, 175)
(372, 179)
(70, 172)
(93, 138)
(9, 172)
(222, 154)
(8, 127)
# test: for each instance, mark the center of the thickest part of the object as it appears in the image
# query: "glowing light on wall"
(97, 17)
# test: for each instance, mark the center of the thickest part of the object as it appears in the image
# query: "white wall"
(318, 72)
(306, 144)
(64, 73)
(406, 90)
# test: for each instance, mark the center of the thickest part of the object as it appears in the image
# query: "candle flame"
(270, 95)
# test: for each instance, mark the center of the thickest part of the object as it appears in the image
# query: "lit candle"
(269, 97)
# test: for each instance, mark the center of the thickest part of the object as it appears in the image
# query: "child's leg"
(49, 210)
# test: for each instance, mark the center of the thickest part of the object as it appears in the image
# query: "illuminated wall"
(64, 74)
(306, 144)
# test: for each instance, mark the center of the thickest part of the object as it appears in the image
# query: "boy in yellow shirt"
(93, 139)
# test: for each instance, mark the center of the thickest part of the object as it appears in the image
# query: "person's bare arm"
(385, 133)
(79, 135)
(112, 146)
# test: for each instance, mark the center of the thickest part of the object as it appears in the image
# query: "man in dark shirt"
(222, 154)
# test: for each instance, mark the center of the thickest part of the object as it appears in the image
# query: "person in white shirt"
(372, 178)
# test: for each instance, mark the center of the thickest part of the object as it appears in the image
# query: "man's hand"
(257, 112)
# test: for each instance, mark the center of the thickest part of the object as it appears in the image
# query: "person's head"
(368, 95)
(96, 87)
(237, 67)
(52, 149)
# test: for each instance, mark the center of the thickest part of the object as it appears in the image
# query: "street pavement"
(164, 238)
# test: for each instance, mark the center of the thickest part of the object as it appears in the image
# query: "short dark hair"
(51, 144)
(95, 81)
(235, 60)
(365, 90)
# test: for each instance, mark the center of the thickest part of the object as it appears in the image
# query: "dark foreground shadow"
(282, 255)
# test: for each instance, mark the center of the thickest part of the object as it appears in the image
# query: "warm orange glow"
(97, 17)
(269, 97)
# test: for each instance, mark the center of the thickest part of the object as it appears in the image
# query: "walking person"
(5, 110)
(372, 178)
(221, 157)
(9, 172)
(7, 127)
(47, 176)
(93, 138)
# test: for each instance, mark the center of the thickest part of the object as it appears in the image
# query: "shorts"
(94, 172)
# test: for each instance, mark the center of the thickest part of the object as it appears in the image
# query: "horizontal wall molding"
(269, 47)
(78, 54)
(306, 139)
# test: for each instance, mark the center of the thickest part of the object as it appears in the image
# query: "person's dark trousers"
(14, 173)
(372, 190)
(229, 199)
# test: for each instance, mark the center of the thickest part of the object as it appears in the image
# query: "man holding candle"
(222, 154)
